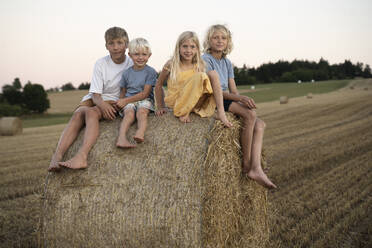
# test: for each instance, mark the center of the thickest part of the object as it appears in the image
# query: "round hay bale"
(284, 99)
(365, 88)
(10, 126)
(351, 87)
(182, 187)
(309, 95)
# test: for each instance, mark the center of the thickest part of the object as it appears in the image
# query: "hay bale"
(283, 99)
(10, 126)
(365, 88)
(181, 188)
(351, 87)
(309, 96)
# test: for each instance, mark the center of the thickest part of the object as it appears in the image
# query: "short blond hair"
(208, 36)
(138, 44)
(116, 33)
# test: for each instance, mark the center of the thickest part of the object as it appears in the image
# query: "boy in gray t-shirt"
(136, 97)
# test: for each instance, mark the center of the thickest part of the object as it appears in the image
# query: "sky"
(52, 42)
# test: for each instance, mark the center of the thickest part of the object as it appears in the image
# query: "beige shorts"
(147, 103)
(90, 103)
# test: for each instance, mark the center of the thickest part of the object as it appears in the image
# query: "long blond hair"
(176, 58)
(208, 36)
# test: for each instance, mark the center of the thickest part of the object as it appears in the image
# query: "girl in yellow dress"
(189, 87)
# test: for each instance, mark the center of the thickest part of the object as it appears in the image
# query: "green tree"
(367, 72)
(84, 86)
(17, 84)
(35, 98)
(68, 86)
(12, 95)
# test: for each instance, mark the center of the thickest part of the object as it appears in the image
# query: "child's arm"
(159, 96)
(108, 111)
(123, 101)
(233, 94)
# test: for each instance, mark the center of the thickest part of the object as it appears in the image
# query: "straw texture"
(181, 188)
(10, 126)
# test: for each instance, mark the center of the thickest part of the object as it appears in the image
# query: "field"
(63, 103)
(319, 153)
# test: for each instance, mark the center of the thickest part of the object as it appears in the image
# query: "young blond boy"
(99, 104)
(136, 97)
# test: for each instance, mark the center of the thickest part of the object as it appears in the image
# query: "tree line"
(17, 100)
(304, 70)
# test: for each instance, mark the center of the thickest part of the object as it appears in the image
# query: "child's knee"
(78, 115)
(93, 113)
(142, 112)
(129, 112)
(260, 124)
(249, 116)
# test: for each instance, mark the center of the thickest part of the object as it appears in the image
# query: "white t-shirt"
(106, 77)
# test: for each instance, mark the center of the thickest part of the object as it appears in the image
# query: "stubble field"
(319, 153)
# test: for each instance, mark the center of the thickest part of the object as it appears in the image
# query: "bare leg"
(127, 121)
(68, 136)
(142, 114)
(218, 97)
(79, 161)
(256, 173)
(249, 119)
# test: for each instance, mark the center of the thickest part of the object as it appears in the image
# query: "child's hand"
(108, 111)
(121, 103)
(247, 101)
(161, 111)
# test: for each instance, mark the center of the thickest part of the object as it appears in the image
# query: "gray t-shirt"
(222, 66)
(134, 81)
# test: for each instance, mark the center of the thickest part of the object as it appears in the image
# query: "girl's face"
(188, 50)
(218, 41)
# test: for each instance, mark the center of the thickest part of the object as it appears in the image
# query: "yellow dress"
(185, 92)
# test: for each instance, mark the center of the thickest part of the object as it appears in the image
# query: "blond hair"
(208, 36)
(176, 58)
(139, 44)
(116, 33)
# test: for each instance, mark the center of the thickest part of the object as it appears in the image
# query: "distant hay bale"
(366, 88)
(182, 187)
(351, 87)
(309, 95)
(284, 99)
(10, 126)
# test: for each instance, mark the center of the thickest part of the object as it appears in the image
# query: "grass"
(272, 92)
(40, 120)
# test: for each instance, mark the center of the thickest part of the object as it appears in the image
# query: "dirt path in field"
(319, 153)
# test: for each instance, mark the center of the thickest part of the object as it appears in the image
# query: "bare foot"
(139, 136)
(54, 166)
(138, 139)
(260, 177)
(79, 161)
(222, 117)
(185, 118)
(125, 144)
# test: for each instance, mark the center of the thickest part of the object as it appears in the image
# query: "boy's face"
(116, 48)
(140, 58)
(218, 41)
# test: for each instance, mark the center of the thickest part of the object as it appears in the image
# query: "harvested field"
(66, 101)
(319, 153)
